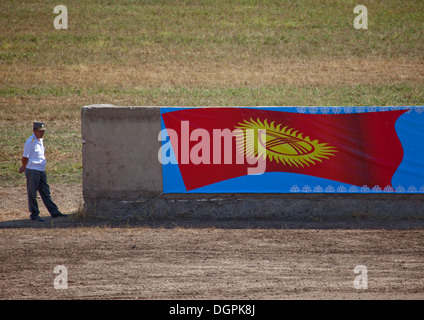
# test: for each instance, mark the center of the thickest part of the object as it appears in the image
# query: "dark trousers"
(37, 181)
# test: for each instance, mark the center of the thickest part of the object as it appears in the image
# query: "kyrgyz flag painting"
(289, 149)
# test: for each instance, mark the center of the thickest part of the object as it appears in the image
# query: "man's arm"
(24, 163)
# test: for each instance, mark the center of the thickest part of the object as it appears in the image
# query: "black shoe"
(37, 218)
(60, 214)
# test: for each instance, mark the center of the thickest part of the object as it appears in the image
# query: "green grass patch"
(181, 33)
(309, 95)
(129, 32)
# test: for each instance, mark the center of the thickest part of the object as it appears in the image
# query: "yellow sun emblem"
(283, 145)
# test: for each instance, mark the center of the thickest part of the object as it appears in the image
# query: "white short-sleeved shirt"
(34, 151)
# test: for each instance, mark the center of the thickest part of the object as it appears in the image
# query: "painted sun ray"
(282, 144)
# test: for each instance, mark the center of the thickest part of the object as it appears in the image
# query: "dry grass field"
(195, 53)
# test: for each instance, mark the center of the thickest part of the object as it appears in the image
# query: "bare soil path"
(228, 261)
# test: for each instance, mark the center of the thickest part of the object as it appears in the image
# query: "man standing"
(34, 164)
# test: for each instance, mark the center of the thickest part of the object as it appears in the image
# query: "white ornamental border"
(355, 189)
(338, 109)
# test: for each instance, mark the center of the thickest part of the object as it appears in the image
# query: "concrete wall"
(120, 152)
(122, 177)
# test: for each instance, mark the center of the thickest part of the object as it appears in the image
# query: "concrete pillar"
(120, 152)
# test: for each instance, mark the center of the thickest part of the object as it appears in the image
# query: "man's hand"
(24, 163)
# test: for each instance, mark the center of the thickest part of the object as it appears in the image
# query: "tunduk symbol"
(284, 145)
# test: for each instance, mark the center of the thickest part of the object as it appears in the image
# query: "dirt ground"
(111, 260)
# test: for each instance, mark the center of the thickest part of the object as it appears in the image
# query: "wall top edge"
(93, 106)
